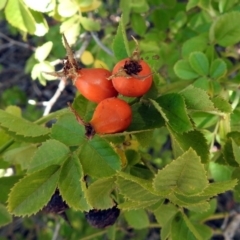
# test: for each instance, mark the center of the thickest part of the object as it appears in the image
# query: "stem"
(6, 145)
(234, 69)
(215, 217)
(149, 166)
(92, 236)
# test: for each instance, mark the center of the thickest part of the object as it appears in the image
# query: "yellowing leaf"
(99, 64)
(87, 58)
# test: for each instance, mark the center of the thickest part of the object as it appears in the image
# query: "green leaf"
(220, 172)
(179, 229)
(84, 107)
(197, 99)
(225, 30)
(186, 140)
(216, 188)
(183, 70)
(173, 110)
(22, 127)
(89, 24)
(194, 44)
(68, 131)
(191, 4)
(32, 192)
(51, 152)
(20, 155)
(164, 213)
(43, 51)
(185, 175)
(141, 120)
(225, 5)
(199, 63)
(191, 227)
(67, 8)
(218, 69)
(120, 43)
(138, 24)
(135, 189)
(40, 23)
(5, 217)
(41, 6)
(98, 193)
(72, 186)
(18, 15)
(222, 104)
(98, 158)
(6, 183)
(228, 154)
(3, 4)
(137, 219)
(134, 205)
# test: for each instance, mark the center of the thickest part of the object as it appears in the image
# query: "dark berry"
(56, 204)
(102, 218)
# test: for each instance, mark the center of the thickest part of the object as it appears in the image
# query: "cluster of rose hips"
(130, 77)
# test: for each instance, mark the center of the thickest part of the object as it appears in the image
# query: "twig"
(12, 41)
(50, 103)
(232, 227)
(56, 231)
(62, 84)
(100, 44)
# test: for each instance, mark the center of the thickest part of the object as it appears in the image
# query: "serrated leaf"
(222, 104)
(90, 24)
(20, 155)
(145, 117)
(137, 219)
(40, 6)
(185, 175)
(216, 188)
(218, 68)
(187, 140)
(228, 155)
(197, 99)
(120, 43)
(200, 217)
(98, 158)
(68, 131)
(134, 205)
(225, 29)
(6, 183)
(98, 193)
(51, 152)
(71, 184)
(174, 112)
(18, 15)
(183, 70)
(31, 193)
(5, 217)
(199, 62)
(43, 51)
(135, 189)
(84, 107)
(21, 126)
